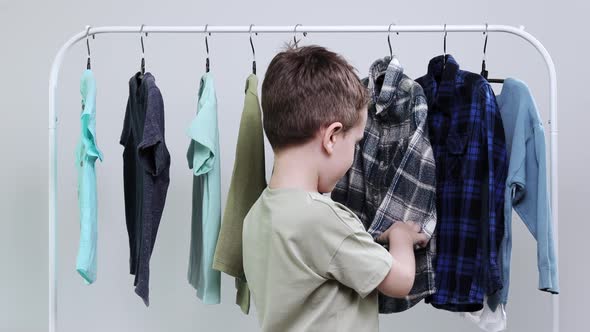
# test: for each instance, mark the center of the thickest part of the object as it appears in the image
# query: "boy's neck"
(295, 168)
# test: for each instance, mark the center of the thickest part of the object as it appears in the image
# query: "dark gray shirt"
(146, 164)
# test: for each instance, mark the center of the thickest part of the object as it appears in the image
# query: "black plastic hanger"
(253, 51)
(445, 49)
(207, 63)
(380, 78)
(142, 68)
(389, 40)
(295, 40)
(484, 72)
(88, 47)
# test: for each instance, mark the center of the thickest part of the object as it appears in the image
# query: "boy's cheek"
(350, 156)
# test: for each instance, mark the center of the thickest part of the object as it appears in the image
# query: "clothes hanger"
(253, 51)
(484, 72)
(445, 48)
(379, 80)
(389, 40)
(142, 68)
(88, 46)
(207, 63)
(295, 41)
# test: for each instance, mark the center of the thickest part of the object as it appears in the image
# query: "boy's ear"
(330, 136)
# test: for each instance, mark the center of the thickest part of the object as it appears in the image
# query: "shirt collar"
(440, 85)
(252, 84)
(383, 96)
(137, 86)
(88, 91)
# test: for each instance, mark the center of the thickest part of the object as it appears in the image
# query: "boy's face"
(341, 156)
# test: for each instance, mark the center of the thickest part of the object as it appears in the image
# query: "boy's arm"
(360, 263)
(401, 237)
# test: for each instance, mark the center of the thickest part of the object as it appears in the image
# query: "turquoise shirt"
(86, 154)
(203, 159)
(526, 185)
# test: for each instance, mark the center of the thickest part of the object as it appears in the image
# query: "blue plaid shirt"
(467, 138)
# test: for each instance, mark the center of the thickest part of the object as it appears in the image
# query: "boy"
(310, 264)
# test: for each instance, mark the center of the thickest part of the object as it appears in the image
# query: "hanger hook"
(206, 42)
(295, 35)
(445, 41)
(485, 43)
(142, 48)
(253, 51)
(445, 47)
(389, 39)
(207, 33)
(484, 72)
(252, 43)
(141, 38)
(88, 45)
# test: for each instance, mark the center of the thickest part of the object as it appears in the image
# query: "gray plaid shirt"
(393, 174)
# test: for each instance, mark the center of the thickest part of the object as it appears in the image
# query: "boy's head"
(312, 98)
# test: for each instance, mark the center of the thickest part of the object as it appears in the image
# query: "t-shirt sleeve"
(152, 150)
(202, 153)
(359, 262)
(89, 138)
(200, 158)
(125, 131)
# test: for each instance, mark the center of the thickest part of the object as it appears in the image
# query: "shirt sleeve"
(126, 130)
(531, 202)
(201, 153)
(152, 150)
(360, 263)
(497, 168)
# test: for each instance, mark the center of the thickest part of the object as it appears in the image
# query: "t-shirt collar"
(251, 84)
(87, 90)
(136, 85)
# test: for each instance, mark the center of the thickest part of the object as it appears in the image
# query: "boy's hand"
(403, 238)
(404, 231)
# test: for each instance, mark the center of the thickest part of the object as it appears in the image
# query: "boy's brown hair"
(305, 89)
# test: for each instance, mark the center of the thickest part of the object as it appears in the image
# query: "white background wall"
(30, 35)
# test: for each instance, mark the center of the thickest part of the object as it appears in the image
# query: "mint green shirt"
(203, 159)
(86, 154)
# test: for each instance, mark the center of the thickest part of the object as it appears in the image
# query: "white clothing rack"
(53, 79)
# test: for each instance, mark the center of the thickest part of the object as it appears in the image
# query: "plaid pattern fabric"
(393, 174)
(467, 136)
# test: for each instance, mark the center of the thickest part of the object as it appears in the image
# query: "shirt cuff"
(548, 280)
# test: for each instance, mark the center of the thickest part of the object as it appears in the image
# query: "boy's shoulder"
(307, 211)
(326, 213)
(340, 211)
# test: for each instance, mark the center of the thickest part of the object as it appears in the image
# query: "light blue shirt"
(526, 185)
(86, 154)
(203, 159)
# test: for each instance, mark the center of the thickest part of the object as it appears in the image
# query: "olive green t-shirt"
(247, 183)
(310, 264)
